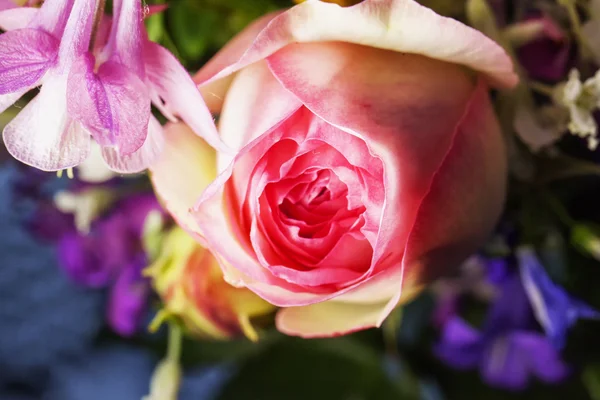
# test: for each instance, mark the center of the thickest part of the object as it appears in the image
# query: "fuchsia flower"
(103, 90)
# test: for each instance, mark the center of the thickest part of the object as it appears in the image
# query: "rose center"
(313, 205)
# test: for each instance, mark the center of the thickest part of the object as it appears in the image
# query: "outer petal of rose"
(393, 102)
(184, 169)
(25, 56)
(329, 318)
(16, 18)
(112, 103)
(174, 85)
(255, 102)
(463, 203)
(43, 135)
(143, 157)
(403, 26)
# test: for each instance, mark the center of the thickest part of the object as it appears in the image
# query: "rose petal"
(392, 101)
(25, 56)
(329, 318)
(402, 26)
(17, 18)
(255, 102)
(43, 135)
(184, 169)
(142, 158)
(216, 214)
(112, 104)
(170, 80)
(442, 237)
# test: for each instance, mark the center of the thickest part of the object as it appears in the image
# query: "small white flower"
(85, 205)
(581, 99)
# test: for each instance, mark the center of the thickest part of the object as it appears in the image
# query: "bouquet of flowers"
(267, 199)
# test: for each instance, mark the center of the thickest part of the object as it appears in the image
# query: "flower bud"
(165, 381)
(188, 279)
(587, 239)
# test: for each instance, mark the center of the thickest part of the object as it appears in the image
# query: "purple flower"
(550, 55)
(508, 350)
(95, 82)
(112, 255)
(507, 361)
(554, 309)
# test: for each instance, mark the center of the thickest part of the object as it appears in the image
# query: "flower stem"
(100, 6)
(559, 210)
(174, 343)
(542, 88)
(571, 8)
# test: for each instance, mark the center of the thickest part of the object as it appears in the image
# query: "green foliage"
(196, 29)
(328, 369)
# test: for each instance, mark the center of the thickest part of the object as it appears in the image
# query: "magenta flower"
(96, 83)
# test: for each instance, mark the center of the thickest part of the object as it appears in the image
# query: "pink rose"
(370, 159)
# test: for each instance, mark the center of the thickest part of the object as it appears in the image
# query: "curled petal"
(112, 104)
(399, 25)
(25, 56)
(43, 135)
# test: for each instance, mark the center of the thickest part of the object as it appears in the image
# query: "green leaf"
(192, 27)
(591, 378)
(586, 238)
(328, 369)
(155, 27)
(197, 352)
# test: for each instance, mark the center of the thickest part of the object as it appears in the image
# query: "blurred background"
(75, 305)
